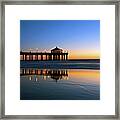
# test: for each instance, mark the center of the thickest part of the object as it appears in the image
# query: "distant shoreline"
(97, 60)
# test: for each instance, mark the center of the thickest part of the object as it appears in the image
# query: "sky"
(81, 38)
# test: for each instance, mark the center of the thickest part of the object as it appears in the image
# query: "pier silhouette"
(55, 54)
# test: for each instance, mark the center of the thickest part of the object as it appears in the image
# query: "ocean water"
(59, 84)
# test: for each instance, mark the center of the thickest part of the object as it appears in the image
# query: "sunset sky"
(81, 38)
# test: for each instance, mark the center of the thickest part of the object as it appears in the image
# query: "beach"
(60, 80)
(59, 84)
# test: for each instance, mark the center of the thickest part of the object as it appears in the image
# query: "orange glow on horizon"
(85, 54)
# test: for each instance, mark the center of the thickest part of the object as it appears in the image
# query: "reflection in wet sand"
(59, 84)
(85, 75)
(61, 74)
(54, 74)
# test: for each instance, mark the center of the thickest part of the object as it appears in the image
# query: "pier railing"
(32, 55)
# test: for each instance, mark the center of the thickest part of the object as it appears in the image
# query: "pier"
(55, 54)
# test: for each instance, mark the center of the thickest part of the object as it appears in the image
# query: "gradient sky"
(81, 38)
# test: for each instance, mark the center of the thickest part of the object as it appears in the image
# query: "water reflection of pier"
(54, 74)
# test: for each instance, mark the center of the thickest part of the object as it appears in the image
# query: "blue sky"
(72, 35)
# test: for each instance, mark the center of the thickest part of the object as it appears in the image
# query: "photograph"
(59, 59)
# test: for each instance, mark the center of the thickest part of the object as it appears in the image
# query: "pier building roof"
(56, 50)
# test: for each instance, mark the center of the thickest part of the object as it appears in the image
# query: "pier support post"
(58, 57)
(64, 56)
(37, 57)
(53, 57)
(41, 57)
(46, 57)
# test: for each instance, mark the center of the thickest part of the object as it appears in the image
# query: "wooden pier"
(55, 54)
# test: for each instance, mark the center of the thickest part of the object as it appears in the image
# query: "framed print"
(59, 60)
